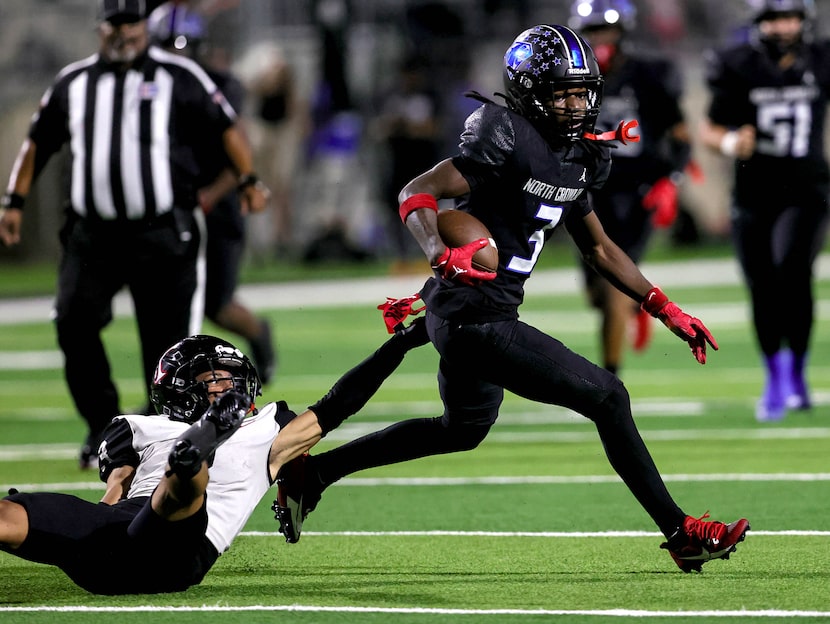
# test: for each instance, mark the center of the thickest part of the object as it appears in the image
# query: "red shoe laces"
(699, 528)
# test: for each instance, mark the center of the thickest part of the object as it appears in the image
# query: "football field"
(532, 526)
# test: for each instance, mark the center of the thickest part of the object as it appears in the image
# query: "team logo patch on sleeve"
(148, 90)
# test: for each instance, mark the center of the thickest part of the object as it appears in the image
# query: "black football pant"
(125, 548)
(477, 363)
(776, 249)
(224, 250)
(157, 266)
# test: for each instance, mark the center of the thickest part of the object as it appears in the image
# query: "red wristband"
(654, 301)
(414, 202)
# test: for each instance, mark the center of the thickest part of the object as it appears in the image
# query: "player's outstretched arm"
(615, 265)
(293, 440)
(347, 396)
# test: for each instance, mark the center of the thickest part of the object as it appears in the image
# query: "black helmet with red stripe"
(177, 394)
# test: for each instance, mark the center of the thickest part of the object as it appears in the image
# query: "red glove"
(689, 328)
(662, 199)
(395, 311)
(456, 264)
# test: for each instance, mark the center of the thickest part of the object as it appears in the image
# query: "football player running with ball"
(523, 170)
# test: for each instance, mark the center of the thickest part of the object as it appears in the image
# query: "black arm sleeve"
(116, 448)
(352, 391)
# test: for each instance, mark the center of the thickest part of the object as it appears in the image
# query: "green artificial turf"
(520, 530)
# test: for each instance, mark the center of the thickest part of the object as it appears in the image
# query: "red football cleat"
(699, 541)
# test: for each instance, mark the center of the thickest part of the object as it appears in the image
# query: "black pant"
(480, 361)
(157, 262)
(225, 246)
(776, 247)
(121, 549)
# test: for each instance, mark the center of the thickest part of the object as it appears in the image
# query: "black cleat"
(203, 437)
(88, 457)
(297, 496)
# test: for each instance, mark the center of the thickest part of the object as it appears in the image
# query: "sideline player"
(641, 191)
(768, 108)
(181, 30)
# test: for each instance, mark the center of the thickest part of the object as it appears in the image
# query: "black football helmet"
(545, 59)
(777, 46)
(176, 27)
(764, 9)
(175, 393)
(587, 14)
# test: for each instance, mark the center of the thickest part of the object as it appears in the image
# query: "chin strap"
(621, 134)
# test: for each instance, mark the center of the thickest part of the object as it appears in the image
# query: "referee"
(131, 116)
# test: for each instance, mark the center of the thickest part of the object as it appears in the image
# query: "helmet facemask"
(177, 394)
(572, 122)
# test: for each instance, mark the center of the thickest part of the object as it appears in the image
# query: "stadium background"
(468, 37)
(531, 526)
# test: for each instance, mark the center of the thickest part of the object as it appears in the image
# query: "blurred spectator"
(181, 30)
(278, 123)
(334, 146)
(408, 126)
(437, 33)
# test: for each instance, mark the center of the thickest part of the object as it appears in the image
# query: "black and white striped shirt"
(134, 135)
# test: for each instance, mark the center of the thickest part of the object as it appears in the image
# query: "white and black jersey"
(131, 133)
(239, 475)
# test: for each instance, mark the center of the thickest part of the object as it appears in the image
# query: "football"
(457, 228)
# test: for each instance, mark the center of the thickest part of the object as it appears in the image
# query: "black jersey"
(787, 108)
(210, 151)
(225, 220)
(649, 91)
(521, 188)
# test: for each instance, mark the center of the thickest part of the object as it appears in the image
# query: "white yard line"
(373, 290)
(628, 613)
(800, 477)
(545, 534)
